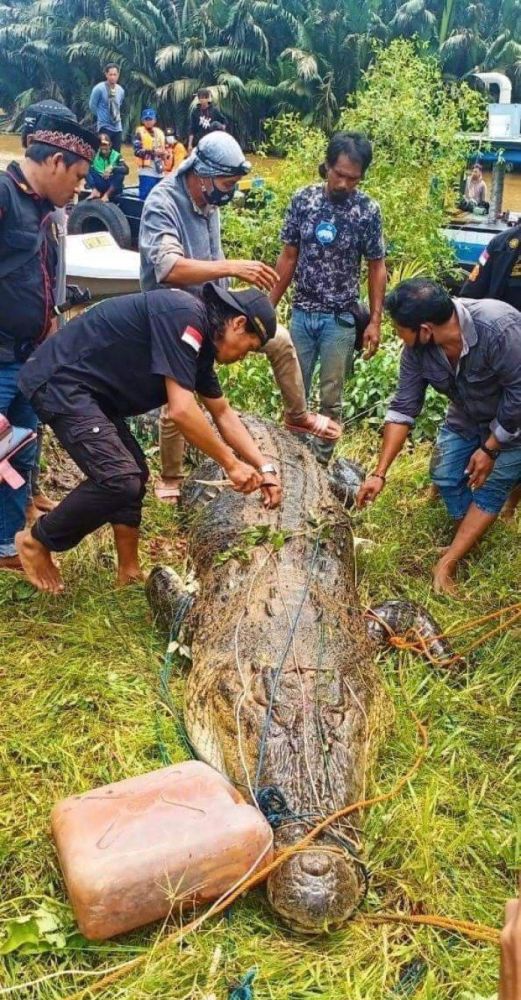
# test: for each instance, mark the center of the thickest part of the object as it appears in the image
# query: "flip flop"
(168, 494)
(318, 428)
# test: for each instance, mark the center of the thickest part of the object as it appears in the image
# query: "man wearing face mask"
(180, 245)
(328, 229)
(470, 351)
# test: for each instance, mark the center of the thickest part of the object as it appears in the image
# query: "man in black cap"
(56, 162)
(124, 357)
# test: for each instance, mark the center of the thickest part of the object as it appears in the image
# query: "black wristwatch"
(492, 453)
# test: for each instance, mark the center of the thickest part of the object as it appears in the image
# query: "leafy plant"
(262, 534)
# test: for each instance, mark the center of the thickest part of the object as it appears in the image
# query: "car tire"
(93, 216)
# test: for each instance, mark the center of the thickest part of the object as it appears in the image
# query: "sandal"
(320, 427)
(167, 493)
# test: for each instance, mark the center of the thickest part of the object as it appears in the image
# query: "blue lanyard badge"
(326, 233)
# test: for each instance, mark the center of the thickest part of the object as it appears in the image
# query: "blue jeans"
(449, 461)
(20, 413)
(318, 337)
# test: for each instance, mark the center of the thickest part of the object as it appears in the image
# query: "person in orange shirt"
(175, 151)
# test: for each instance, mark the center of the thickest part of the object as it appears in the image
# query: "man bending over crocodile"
(470, 351)
(180, 245)
(124, 357)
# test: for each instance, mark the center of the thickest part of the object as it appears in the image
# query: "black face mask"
(216, 197)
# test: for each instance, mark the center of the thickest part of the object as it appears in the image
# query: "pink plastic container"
(138, 849)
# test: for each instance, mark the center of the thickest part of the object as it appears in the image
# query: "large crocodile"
(283, 695)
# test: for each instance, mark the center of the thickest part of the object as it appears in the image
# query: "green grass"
(79, 681)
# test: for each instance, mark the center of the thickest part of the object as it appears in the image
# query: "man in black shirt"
(497, 275)
(55, 165)
(124, 357)
(203, 117)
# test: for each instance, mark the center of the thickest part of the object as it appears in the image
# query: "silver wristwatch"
(267, 468)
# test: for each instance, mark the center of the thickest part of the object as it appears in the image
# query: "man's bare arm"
(285, 268)
(188, 416)
(376, 282)
(394, 438)
(239, 438)
(195, 272)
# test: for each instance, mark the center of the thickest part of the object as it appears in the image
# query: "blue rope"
(165, 676)
(273, 805)
(278, 670)
(244, 989)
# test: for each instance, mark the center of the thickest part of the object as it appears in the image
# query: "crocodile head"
(317, 889)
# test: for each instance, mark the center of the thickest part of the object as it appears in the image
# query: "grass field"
(80, 707)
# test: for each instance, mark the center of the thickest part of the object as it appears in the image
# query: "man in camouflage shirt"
(328, 229)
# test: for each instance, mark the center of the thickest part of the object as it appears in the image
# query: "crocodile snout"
(316, 890)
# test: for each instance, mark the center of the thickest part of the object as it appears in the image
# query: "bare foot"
(443, 577)
(11, 563)
(129, 574)
(37, 562)
(43, 503)
(32, 513)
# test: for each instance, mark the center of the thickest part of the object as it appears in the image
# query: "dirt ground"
(10, 148)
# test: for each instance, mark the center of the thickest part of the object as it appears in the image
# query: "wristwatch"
(267, 468)
(492, 453)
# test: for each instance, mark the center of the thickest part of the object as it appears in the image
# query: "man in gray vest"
(180, 245)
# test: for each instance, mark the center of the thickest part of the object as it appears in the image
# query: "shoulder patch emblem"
(484, 257)
(474, 273)
(193, 338)
(513, 243)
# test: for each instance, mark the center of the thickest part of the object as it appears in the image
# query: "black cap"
(251, 303)
(66, 134)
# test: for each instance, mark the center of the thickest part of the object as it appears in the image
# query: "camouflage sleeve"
(373, 243)
(290, 232)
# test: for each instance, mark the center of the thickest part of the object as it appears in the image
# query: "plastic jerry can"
(136, 850)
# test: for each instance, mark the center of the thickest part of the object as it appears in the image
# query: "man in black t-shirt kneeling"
(124, 357)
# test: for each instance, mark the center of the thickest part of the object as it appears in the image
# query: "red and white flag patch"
(484, 257)
(193, 338)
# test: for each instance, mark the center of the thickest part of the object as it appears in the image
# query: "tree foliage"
(261, 58)
(415, 125)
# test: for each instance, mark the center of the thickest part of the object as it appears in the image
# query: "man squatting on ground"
(180, 245)
(55, 164)
(124, 357)
(328, 229)
(470, 351)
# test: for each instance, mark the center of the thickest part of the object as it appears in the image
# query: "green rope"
(244, 989)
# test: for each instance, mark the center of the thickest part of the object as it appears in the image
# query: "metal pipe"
(504, 84)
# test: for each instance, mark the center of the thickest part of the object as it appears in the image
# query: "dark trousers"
(115, 138)
(104, 184)
(116, 470)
